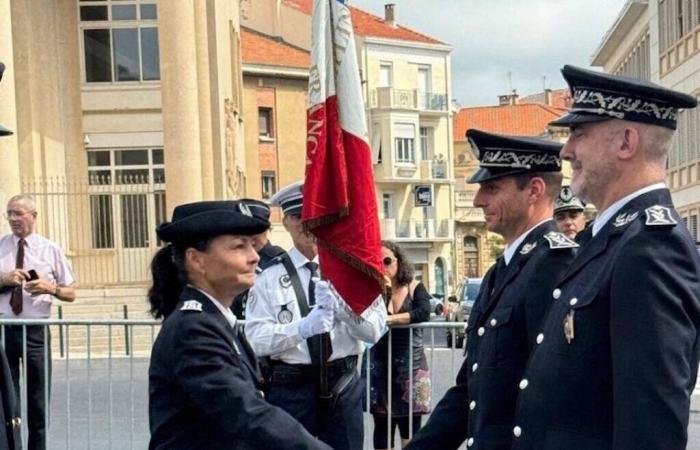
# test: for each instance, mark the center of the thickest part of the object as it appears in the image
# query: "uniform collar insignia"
(527, 248)
(191, 305)
(624, 218)
(558, 240)
(658, 215)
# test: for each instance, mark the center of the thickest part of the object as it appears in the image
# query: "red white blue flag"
(340, 206)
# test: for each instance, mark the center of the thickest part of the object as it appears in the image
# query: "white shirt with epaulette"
(273, 316)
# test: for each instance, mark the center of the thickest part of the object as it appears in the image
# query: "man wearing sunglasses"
(519, 178)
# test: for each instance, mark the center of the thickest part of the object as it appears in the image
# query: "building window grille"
(126, 188)
(120, 41)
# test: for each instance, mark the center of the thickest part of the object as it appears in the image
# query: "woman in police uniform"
(204, 384)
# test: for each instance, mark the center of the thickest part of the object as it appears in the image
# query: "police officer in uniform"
(10, 422)
(568, 213)
(204, 383)
(519, 178)
(619, 351)
(266, 251)
(289, 312)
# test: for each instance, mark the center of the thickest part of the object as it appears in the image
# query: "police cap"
(567, 201)
(501, 155)
(289, 199)
(600, 96)
(202, 220)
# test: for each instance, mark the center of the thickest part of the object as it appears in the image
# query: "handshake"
(322, 316)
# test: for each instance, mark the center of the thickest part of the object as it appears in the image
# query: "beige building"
(406, 85)
(121, 110)
(659, 40)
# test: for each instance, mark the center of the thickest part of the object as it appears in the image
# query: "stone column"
(205, 101)
(180, 99)
(9, 148)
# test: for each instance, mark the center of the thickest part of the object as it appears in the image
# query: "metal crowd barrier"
(99, 383)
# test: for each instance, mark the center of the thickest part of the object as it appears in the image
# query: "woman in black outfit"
(204, 383)
(409, 302)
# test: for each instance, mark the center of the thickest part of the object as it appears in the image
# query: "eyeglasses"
(388, 260)
(11, 214)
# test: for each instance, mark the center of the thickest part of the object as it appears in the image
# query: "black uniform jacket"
(9, 408)
(624, 377)
(502, 329)
(204, 387)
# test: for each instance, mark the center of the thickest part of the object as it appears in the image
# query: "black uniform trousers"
(293, 387)
(38, 376)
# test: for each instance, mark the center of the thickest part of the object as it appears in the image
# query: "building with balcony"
(475, 247)
(659, 40)
(406, 83)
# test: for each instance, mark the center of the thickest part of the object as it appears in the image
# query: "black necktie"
(314, 342)
(16, 299)
(500, 271)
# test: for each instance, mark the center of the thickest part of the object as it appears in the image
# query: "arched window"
(471, 257)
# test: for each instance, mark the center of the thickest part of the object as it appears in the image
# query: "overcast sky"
(528, 38)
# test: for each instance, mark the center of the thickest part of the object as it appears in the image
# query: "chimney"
(389, 16)
(548, 97)
(508, 99)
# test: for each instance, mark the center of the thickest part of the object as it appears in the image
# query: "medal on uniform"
(285, 316)
(569, 327)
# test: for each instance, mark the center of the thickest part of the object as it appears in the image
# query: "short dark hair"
(552, 181)
(404, 271)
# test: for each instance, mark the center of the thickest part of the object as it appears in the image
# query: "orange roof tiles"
(528, 119)
(366, 24)
(258, 48)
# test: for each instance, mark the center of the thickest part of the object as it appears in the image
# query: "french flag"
(340, 206)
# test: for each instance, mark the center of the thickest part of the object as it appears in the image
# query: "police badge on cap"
(501, 155)
(567, 201)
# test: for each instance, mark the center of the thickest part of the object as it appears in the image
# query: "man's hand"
(14, 278)
(40, 286)
(320, 320)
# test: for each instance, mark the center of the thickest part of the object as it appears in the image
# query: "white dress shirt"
(605, 216)
(50, 263)
(274, 292)
(228, 314)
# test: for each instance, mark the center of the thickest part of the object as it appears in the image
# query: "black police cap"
(203, 220)
(259, 208)
(501, 155)
(3, 131)
(600, 96)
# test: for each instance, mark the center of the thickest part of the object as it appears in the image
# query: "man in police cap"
(519, 178)
(568, 213)
(289, 312)
(621, 344)
(10, 437)
(266, 250)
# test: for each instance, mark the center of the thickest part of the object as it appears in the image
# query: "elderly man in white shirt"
(288, 309)
(33, 272)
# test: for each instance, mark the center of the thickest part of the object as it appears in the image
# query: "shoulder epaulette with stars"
(659, 216)
(558, 240)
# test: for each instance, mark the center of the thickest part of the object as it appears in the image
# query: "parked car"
(437, 307)
(459, 307)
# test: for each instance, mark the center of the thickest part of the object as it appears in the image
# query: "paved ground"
(107, 409)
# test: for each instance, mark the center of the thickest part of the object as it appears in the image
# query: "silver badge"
(558, 240)
(527, 248)
(659, 216)
(191, 305)
(566, 195)
(623, 219)
(243, 208)
(285, 316)
(285, 281)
